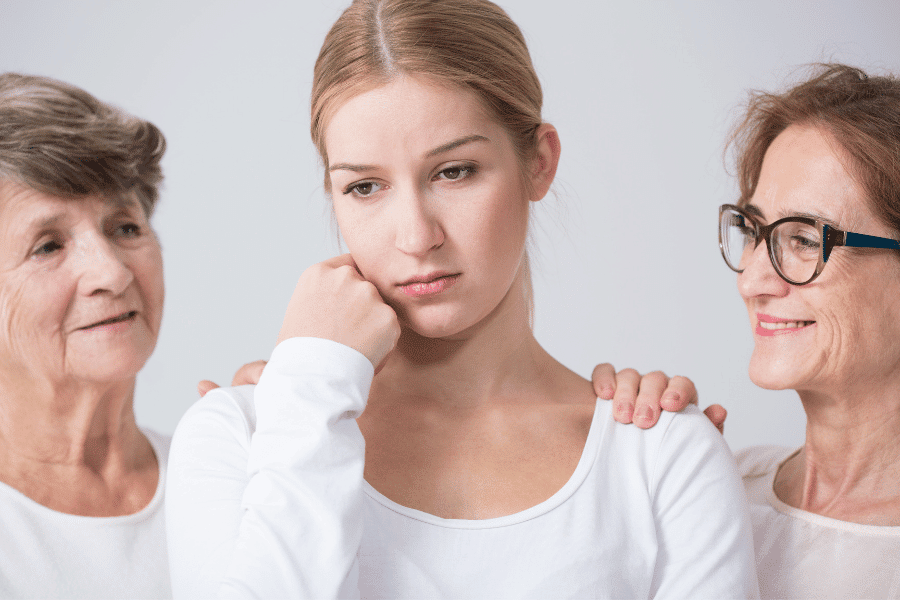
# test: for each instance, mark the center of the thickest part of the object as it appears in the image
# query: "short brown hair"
(472, 43)
(861, 112)
(60, 140)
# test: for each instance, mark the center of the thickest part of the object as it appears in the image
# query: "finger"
(716, 413)
(680, 392)
(340, 260)
(646, 406)
(628, 381)
(249, 374)
(205, 386)
(604, 380)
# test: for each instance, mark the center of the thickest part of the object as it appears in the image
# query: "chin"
(772, 374)
(109, 367)
(434, 322)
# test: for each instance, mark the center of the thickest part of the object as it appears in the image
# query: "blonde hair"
(60, 140)
(470, 43)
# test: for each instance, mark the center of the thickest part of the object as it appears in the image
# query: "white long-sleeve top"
(267, 499)
(45, 553)
(804, 555)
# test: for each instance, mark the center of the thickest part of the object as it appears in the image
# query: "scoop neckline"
(804, 515)
(584, 466)
(150, 508)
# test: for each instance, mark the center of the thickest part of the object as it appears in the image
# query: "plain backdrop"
(626, 263)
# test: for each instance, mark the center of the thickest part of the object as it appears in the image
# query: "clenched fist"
(332, 301)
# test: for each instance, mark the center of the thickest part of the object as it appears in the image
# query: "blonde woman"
(481, 467)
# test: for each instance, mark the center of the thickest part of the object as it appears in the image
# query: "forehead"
(19, 202)
(412, 114)
(805, 171)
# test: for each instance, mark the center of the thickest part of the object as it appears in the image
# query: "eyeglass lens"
(795, 247)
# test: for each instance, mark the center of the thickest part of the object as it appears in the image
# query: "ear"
(543, 164)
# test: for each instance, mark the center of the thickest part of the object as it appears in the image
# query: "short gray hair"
(58, 139)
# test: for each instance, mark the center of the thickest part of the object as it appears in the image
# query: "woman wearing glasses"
(813, 238)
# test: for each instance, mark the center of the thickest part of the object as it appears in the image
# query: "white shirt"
(49, 554)
(800, 554)
(266, 499)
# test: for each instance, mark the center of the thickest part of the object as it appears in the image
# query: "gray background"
(627, 269)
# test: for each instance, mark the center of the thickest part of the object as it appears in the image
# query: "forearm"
(282, 516)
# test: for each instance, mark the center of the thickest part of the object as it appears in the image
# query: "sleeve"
(275, 510)
(702, 520)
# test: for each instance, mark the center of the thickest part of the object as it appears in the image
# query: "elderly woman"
(814, 240)
(81, 295)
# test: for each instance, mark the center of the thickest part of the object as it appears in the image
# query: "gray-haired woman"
(81, 296)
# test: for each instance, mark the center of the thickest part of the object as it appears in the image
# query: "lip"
(428, 285)
(111, 322)
(779, 326)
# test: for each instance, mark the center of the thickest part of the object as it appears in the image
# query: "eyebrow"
(469, 139)
(456, 144)
(756, 212)
(41, 224)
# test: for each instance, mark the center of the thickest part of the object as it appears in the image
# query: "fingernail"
(607, 392)
(626, 409)
(671, 398)
(646, 413)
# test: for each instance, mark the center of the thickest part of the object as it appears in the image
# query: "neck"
(69, 426)
(487, 362)
(849, 467)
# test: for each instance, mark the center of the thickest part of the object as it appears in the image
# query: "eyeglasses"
(795, 244)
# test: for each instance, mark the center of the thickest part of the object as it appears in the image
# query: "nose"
(418, 229)
(759, 277)
(101, 267)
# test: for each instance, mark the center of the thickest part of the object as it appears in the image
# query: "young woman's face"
(430, 198)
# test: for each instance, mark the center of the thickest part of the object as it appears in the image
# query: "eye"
(129, 230)
(456, 172)
(47, 248)
(363, 189)
(801, 243)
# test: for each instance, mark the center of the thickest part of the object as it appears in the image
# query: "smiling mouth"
(785, 325)
(123, 317)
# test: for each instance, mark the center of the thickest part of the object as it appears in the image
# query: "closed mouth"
(117, 319)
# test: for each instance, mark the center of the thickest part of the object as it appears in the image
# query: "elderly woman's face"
(81, 287)
(844, 327)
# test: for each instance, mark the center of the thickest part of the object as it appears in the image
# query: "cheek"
(31, 310)
(364, 236)
(149, 273)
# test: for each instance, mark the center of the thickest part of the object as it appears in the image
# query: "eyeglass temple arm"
(836, 237)
(861, 240)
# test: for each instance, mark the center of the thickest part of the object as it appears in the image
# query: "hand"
(332, 301)
(249, 374)
(639, 399)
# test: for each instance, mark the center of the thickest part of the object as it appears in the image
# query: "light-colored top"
(49, 554)
(800, 554)
(266, 499)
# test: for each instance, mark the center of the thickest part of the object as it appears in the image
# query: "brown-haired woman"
(481, 466)
(81, 295)
(815, 239)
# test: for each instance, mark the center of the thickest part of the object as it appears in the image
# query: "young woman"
(481, 466)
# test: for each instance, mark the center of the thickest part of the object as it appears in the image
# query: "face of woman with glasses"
(843, 327)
